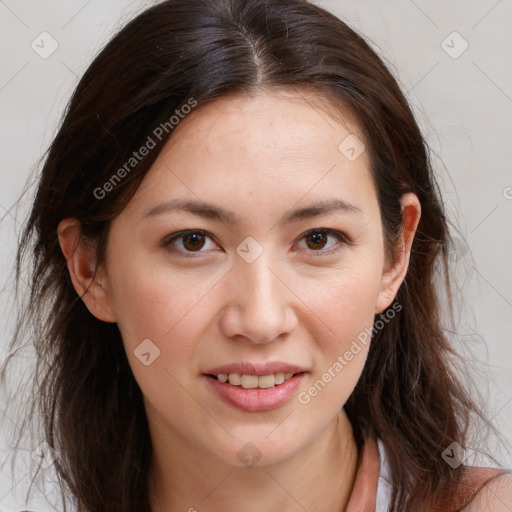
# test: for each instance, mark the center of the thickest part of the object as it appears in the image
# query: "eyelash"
(327, 231)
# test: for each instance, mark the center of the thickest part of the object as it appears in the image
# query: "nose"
(259, 303)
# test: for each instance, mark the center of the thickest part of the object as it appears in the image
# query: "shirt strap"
(364, 492)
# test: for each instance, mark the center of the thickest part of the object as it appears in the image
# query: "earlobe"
(394, 275)
(88, 280)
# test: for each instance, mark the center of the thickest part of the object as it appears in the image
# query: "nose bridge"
(258, 305)
(263, 287)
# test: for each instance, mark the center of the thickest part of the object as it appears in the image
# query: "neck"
(319, 477)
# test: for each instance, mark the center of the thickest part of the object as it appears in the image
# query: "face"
(253, 247)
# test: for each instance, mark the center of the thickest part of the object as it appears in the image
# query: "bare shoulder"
(495, 496)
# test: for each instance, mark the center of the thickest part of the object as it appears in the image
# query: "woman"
(300, 351)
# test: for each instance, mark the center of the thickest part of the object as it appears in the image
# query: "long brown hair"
(91, 406)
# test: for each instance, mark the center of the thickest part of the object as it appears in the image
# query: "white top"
(384, 487)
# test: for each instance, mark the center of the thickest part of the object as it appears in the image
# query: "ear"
(394, 272)
(88, 280)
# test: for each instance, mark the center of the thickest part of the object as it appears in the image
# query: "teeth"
(249, 381)
(255, 381)
(279, 378)
(265, 381)
(235, 379)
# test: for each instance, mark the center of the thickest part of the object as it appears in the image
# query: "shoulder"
(495, 495)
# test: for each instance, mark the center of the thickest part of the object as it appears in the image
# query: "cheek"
(164, 318)
(349, 304)
(162, 306)
(344, 305)
(344, 314)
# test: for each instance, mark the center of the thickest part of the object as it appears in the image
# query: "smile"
(254, 381)
(254, 393)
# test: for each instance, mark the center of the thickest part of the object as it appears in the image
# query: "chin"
(260, 450)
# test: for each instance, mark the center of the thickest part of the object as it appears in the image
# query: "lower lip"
(255, 399)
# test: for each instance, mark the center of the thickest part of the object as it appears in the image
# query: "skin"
(259, 157)
(496, 496)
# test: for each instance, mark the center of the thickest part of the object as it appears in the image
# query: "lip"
(255, 399)
(249, 368)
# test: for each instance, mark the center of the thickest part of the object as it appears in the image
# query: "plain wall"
(463, 104)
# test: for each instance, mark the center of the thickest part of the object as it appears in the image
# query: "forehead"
(271, 146)
(281, 118)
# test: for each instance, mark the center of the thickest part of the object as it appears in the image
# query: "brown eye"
(318, 240)
(189, 242)
(193, 241)
(318, 244)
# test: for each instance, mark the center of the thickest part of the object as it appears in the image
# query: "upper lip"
(249, 368)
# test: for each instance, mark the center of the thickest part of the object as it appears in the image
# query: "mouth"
(253, 387)
(254, 381)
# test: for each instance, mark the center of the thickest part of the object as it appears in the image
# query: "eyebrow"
(211, 211)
